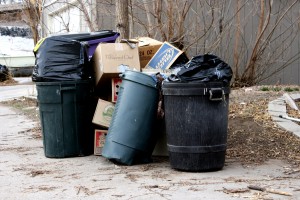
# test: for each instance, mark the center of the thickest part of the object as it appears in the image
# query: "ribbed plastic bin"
(131, 137)
(66, 111)
(196, 117)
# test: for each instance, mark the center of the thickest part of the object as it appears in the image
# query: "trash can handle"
(68, 88)
(216, 94)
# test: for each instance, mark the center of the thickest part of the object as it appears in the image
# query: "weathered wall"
(281, 50)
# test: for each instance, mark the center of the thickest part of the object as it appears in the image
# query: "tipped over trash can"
(66, 111)
(131, 137)
(196, 114)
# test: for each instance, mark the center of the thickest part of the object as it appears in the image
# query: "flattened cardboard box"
(103, 113)
(147, 49)
(100, 136)
(111, 59)
(164, 57)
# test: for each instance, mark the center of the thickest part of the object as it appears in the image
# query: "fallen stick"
(254, 187)
(290, 118)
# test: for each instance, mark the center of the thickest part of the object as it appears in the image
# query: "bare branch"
(86, 15)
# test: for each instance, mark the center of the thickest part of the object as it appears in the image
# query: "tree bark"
(158, 17)
(94, 16)
(237, 40)
(170, 19)
(32, 15)
(150, 24)
(122, 18)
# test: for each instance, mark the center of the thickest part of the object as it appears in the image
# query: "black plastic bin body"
(66, 111)
(196, 117)
(131, 137)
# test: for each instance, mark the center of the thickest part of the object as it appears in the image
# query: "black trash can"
(66, 111)
(196, 117)
(131, 137)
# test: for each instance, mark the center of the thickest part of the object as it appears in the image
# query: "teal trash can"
(131, 136)
(66, 111)
(196, 117)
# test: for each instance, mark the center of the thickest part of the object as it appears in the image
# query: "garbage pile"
(118, 100)
(4, 73)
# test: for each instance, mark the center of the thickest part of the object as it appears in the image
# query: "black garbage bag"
(180, 61)
(205, 68)
(61, 59)
(4, 73)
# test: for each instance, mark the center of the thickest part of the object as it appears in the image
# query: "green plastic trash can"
(66, 111)
(131, 137)
(196, 117)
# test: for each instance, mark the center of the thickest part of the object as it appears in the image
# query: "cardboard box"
(100, 136)
(103, 113)
(115, 85)
(147, 49)
(111, 59)
(164, 57)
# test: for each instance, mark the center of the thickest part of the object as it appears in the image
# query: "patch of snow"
(16, 46)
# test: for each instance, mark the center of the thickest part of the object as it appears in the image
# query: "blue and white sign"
(164, 57)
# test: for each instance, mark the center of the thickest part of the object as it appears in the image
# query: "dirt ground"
(253, 137)
(258, 153)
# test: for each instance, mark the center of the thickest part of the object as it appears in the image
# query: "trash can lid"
(91, 35)
(167, 84)
(139, 77)
(63, 82)
(192, 88)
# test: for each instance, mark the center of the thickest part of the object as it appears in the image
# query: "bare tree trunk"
(170, 18)
(94, 17)
(32, 16)
(32, 25)
(249, 73)
(130, 17)
(237, 39)
(259, 33)
(122, 18)
(150, 25)
(181, 19)
(157, 13)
